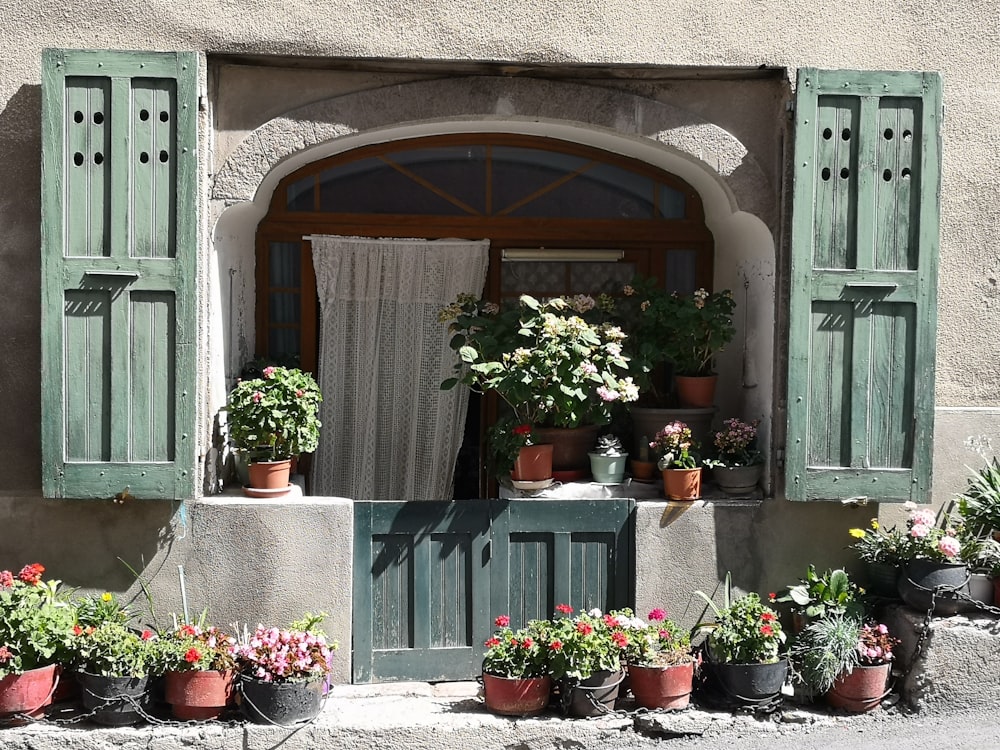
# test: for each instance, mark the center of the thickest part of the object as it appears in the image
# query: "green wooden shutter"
(119, 244)
(863, 285)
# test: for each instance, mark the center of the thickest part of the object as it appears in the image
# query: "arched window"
(561, 218)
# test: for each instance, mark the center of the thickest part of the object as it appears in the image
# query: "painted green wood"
(119, 259)
(863, 286)
(429, 577)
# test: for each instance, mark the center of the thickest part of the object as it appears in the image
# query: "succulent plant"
(609, 445)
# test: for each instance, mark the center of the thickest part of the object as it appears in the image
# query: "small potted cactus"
(607, 460)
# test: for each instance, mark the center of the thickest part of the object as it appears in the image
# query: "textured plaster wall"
(79, 541)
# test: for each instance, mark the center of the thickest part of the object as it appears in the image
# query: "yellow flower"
(106, 597)
(857, 533)
(875, 524)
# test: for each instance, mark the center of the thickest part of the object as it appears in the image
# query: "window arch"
(561, 218)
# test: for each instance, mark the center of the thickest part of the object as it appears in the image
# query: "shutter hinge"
(779, 458)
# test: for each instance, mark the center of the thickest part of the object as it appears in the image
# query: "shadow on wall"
(20, 268)
(83, 542)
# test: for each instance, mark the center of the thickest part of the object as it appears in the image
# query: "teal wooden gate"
(430, 577)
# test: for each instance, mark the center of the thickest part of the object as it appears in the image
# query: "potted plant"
(282, 672)
(272, 419)
(934, 575)
(198, 663)
(845, 659)
(677, 460)
(585, 656)
(737, 464)
(744, 648)
(607, 460)
(517, 455)
(515, 669)
(979, 505)
(703, 326)
(642, 467)
(555, 370)
(659, 660)
(35, 629)
(821, 594)
(881, 549)
(113, 665)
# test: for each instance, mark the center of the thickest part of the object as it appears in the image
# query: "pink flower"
(5, 654)
(882, 628)
(919, 531)
(564, 609)
(6, 579)
(949, 546)
(148, 635)
(298, 393)
(606, 394)
(257, 396)
(268, 372)
(767, 630)
(584, 628)
(556, 645)
(491, 642)
(192, 655)
(657, 614)
(588, 368)
(502, 621)
(31, 573)
(923, 517)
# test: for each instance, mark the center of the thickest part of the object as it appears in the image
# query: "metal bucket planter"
(924, 581)
(115, 701)
(750, 684)
(861, 690)
(281, 703)
(593, 696)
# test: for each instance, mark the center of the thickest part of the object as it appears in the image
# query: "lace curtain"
(389, 432)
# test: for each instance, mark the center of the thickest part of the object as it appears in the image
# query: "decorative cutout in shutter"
(119, 243)
(863, 286)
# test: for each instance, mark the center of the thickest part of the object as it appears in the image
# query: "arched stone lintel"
(710, 158)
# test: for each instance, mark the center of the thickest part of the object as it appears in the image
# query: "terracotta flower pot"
(29, 692)
(270, 476)
(570, 446)
(696, 392)
(198, 695)
(861, 690)
(682, 484)
(643, 469)
(662, 687)
(516, 696)
(533, 464)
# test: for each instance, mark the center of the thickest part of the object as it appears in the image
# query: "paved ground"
(413, 716)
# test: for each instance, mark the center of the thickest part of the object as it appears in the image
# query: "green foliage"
(95, 609)
(275, 416)
(36, 621)
(879, 545)
(191, 647)
(826, 647)
(657, 642)
(113, 650)
(506, 438)
(819, 595)
(744, 632)
(521, 653)
(582, 645)
(979, 505)
(551, 366)
(675, 448)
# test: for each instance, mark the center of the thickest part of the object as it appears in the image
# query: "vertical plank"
(87, 394)
(362, 597)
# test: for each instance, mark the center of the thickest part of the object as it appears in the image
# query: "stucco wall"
(79, 541)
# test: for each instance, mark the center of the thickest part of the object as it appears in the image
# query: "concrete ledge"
(959, 668)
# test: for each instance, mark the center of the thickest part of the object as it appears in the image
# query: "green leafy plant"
(674, 447)
(112, 650)
(609, 445)
(736, 444)
(583, 644)
(930, 536)
(879, 544)
(521, 653)
(835, 645)
(275, 416)
(36, 621)
(979, 505)
(745, 631)
(657, 642)
(506, 438)
(194, 647)
(703, 325)
(822, 594)
(95, 609)
(551, 366)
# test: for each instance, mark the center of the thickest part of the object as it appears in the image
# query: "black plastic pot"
(594, 696)
(949, 583)
(280, 703)
(115, 701)
(750, 684)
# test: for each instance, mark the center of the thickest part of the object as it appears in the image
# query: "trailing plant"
(296, 654)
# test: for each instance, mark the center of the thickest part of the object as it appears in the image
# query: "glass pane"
(519, 172)
(458, 170)
(283, 307)
(681, 268)
(546, 279)
(300, 195)
(374, 187)
(672, 203)
(598, 278)
(283, 342)
(284, 265)
(602, 192)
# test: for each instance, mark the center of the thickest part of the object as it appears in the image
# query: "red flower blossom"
(491, 642)
(187, 631)
(298, 393)
(657, 614)
(77, 630)
(556, 645)
(768, 617)
(147, 635)
(767, 630)
(31, 573)
(522, 429)
(665, 634)
(502, 621)
(610, 621)
(564, 609)
(584, 628)
(620, 639)
(528, 642)
(192, 655)
(5, 654)
(6, 579)
(772, 597)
